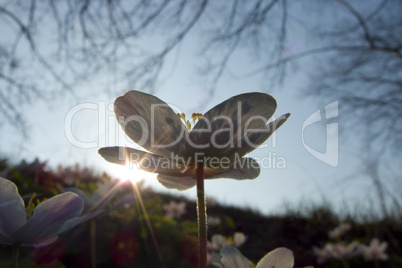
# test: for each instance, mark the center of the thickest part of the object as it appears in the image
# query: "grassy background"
(124, 238)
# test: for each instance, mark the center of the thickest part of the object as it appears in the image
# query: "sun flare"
(130, 173)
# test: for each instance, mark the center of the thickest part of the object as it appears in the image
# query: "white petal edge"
(12, 209)
(232, 258)
(145, 161)
(150, 122)
(278, 258)
(178, 183)
(48, 217)
(225, 123)
(245, 169)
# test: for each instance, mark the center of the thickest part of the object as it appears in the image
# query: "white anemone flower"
(174, 209)
(339, 231)
(218, 241)
(218, 141)
(338, 251)
(232, 258)
(49, 219)
(374, 251)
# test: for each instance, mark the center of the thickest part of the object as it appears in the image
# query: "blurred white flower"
(339, 230)
(174, 209)
(375, 251)
(338, 251)
(219, 241)
(232, 258)
(213, 221)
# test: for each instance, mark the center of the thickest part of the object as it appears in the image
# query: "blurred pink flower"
(375, 251)
(339, 230)
(71, 176)
(338, 251)
(174, 209)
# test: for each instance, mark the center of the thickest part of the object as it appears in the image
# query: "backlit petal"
(254, 138)
(245, 168)
(232, 258)
(175, 182)
(151, 123)
(223, 127)
(48, 217)
(71, 223)
(87, 201)
(278, 258)
(12, 210)
(45, 242)
(4, 240)
(143, 160)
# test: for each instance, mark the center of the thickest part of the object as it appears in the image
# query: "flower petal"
(4, 240)
(232, 258)
(48, 217)
(175, 182)
(245, 168)
(278, 258)
(151, 123)
(238, 239)
(12, 210)
(219, 241)
(256, 137)
(145, 161)
(46, 241)
(80, 193)
(71, 223)
(223, 127)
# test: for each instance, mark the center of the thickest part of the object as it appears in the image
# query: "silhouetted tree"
(352, 49)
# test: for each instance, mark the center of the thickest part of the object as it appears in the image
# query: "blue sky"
(304, 178)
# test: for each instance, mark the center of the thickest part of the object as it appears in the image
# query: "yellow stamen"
(230, 240)
(38, 201)
(31, 205)
(194, 117)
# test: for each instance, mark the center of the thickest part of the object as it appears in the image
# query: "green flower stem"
(92, 233)
(16, 252)
(202, 218)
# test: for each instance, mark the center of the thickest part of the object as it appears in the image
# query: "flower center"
(31, 206)
(194, 117)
